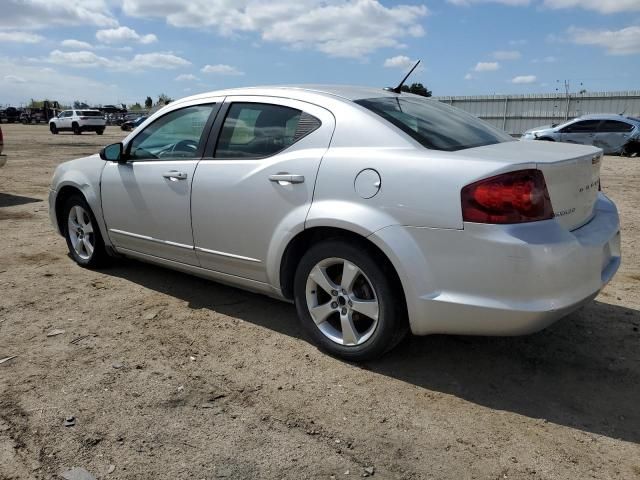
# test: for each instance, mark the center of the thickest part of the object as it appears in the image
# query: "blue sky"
(108, 51)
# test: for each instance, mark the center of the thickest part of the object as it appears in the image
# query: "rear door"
(255, 186)
(582, 132)
(612, 135)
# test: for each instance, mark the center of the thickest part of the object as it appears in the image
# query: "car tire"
(100, 131)
(341, 326)
(76, 129)
(82, 233)
(53, 128)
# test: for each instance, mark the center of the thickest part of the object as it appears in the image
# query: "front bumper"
(503, 279)
(52, 210)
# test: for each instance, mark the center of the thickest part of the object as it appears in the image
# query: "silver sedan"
(376, 213)
(615, 134)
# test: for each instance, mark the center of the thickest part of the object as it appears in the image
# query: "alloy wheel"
(342, 301)
(80, 231)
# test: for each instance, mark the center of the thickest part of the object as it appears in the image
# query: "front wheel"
(53, 128)
(100, 131)
(347, 301)
(83, 234)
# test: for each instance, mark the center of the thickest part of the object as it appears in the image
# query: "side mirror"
(112, 153)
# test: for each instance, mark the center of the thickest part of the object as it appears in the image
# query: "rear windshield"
(89, 113)
(435, 125)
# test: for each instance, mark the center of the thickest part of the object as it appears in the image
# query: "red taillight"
(514, 197)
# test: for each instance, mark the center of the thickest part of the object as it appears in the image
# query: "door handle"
(174, 175)
(285, 178)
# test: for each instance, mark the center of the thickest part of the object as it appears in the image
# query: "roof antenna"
(398, 89)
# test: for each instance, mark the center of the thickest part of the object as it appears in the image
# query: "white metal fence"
(517, 113)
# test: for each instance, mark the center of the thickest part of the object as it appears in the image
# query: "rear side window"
(256, 130)
(435, 125)
(615, 126)
(89, 113)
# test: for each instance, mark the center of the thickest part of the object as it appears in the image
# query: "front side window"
(256, 130)
(178, 134)
(584, 126)
(435, 125)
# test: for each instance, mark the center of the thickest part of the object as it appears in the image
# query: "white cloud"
(616, 42)
(468, 76)
(486, 66)
(20, 37)
(517, 43)
(466, 3)
(400, 61)
(14, 79)
(76, 44)
(338, 28)
(548, 59)
(523, 79)
(167, 61)
(124, 34)
(602, 6)
(86, 59)
(221, 69)
(27, 81)
(186, 77)
(80, 59)
(53, 13)
(507, 55)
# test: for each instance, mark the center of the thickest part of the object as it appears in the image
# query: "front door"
(146, 199)
(583, 132)
(256, 186)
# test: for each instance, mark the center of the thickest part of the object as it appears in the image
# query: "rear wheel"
(347, 302)
(76, 129)
(83, 234)
(53, 128)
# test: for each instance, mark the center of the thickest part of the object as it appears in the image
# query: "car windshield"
(90, 113)
(435, 125)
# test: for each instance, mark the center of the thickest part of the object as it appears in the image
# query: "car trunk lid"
(571, 172)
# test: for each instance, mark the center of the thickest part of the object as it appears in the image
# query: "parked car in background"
(375, 212)
(611, 133)
(3, 157)
(11, 115)
(78, 121)
(132, 124)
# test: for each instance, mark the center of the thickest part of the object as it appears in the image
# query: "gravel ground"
(172, 377)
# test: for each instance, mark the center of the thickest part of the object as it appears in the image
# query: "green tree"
(419, 89)
(135, 106)
(164, 99)
(148, 103)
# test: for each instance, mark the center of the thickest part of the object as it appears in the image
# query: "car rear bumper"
(503, 279)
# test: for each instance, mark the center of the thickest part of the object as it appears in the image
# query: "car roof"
(607, 116)
(342, 92)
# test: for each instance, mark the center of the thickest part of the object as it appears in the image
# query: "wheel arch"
(300, 243)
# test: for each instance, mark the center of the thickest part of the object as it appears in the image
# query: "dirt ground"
(173, 377)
